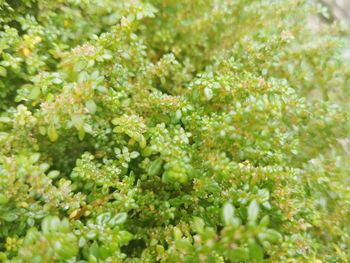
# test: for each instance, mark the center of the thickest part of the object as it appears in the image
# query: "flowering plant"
(173, 131)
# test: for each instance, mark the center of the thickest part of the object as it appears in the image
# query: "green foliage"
(173, 131)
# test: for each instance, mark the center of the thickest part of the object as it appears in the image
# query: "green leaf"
(9, 216)
(52, 133)
(35, 92)
(256, 253)
(53, 174)
(5, 119)
(208, 93)
(91, 235)
(50, 224)
(91, 106)
(118, 219)
(198, 224)
(253, 211)
(34, 157)
(3, 71)
(213, 188)
(155, 167)
(177, 233)
(81, 134)
(264, 222)
(82, 242)
(228, 213)
(88, 128)
(238, 254)
(80, 65)
(78, 121)
(142, 141)
(103, 218)
(3, 199)
(56, 81)
(134, 155)
(273, 236)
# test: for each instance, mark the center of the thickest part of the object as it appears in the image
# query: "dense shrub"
(173, 131)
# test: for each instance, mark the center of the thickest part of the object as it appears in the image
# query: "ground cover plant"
(173, 131)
